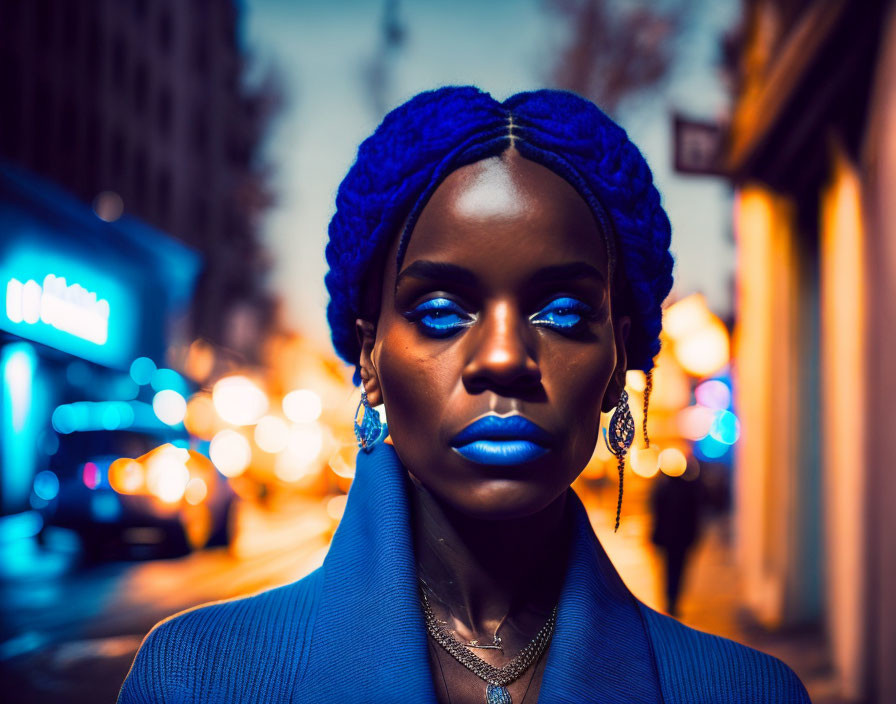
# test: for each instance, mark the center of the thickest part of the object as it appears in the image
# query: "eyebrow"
(439, 271)
(443, 271)
(573, 270)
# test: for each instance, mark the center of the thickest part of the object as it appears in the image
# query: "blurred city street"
(73, 637)
(176, 427)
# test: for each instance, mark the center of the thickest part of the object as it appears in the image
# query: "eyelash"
(442, 317)
(433, 317)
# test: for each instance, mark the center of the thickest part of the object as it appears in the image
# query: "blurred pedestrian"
(675, 503)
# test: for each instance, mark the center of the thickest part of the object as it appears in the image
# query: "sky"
(319, 49)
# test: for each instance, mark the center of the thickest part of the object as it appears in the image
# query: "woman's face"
(495, 346)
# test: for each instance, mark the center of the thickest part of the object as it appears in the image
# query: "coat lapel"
(369, 641)
(600, 651)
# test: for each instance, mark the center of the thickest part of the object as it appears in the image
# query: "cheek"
(577, 381)
(413, 384)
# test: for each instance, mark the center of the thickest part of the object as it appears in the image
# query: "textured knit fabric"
(422, 141)
(352, 631)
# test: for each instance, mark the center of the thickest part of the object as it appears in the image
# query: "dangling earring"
(619, 439)
(371, 430)
(647, 389)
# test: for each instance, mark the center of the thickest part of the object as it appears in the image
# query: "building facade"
(813, 155)
(139, 106)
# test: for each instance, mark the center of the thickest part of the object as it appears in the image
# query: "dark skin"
(505, 246)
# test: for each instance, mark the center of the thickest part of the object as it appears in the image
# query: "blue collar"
(369, 625)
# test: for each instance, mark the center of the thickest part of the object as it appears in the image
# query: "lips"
(502, 440)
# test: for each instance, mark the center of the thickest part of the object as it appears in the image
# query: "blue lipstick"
(501, 440)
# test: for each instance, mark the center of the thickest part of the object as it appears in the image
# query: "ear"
(621, 328)
(366, 332)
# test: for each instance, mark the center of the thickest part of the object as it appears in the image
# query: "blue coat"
(321, 638)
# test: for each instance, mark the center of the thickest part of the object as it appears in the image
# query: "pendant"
(497, 695)
(496, 645)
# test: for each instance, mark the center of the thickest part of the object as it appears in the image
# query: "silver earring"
(619, 439)
(371, 431)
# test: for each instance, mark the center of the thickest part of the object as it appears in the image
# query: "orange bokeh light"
(201, 419)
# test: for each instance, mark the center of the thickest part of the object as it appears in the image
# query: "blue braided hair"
(436, 132)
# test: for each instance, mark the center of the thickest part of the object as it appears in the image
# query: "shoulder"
(699, 667)
(223, 651)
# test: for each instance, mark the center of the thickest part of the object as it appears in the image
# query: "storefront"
(812, 156)
(83, 298)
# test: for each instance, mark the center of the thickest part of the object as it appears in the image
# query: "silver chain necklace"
(497, 678)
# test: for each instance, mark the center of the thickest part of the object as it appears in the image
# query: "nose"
(502, 355)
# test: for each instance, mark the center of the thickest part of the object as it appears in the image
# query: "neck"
(485, 571)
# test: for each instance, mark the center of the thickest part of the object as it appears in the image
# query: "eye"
(563, 314)
(439, 317)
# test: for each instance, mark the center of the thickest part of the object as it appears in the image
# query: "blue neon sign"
(67, 304)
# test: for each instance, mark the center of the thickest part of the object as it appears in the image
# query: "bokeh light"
(126, 476)
(287, 469)
(714, 394)
(200, 360)
(305, 443)
(46, 485)
(195, 491)
(336, 506)
(49, 443)
(709, 448)
(342, 462)
(167, 474)
(302, 406)
(90, 475)
(673, 462)
(105, 507)
(200, 417)
(230, 452)
(168, 379)
(636, 380)
(111, 418)
(705, 351)
(238, 400)
(725, 428)
(108, 206)
(142, 370)
(271, 434)
(124, 388)
(694, 422)
(169, 406)
(63, 419)
(685, 317)
(645, 461)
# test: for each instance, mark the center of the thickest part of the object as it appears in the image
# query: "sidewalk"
(711, 602)
(710, 598)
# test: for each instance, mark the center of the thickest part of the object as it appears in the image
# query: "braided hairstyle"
(436, 132)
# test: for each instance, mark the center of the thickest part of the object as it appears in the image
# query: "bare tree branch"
(614, 50)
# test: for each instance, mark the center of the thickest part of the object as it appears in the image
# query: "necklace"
(497, 678)
(496, 639)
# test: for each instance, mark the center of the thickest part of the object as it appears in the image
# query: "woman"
(495, 268)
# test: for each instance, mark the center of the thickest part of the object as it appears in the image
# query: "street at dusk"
(403, 273)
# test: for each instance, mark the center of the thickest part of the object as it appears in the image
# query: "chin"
(500, 499)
